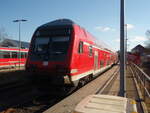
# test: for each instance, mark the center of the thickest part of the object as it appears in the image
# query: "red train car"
(134, 57)
(62, 52)
(9, 57)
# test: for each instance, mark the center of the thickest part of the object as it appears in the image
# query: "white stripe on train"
(79, 76)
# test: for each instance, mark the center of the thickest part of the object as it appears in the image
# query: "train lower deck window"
(1, 54)
(22, 55)
(6, 54)
(26, 55)
(101, 63)
(14, 54)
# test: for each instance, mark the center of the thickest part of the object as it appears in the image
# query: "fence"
(143, 81)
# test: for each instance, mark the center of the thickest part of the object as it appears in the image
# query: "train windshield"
(59, 45)
(52, 47)
(41, 44)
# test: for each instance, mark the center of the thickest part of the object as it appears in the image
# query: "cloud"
(117, 40)
(134, 39)
(104, 29)
(130, 26)
(138, 39)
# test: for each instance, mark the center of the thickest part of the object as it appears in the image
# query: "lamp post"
(126, 39)
(19, 21)
(122, 51)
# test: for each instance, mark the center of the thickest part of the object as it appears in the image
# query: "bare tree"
(3, 34)
(148, 36)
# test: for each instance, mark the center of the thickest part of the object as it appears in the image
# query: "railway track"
(14, 93)
(94, 87)
(39, 103)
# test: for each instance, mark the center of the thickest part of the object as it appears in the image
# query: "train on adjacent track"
(12, 57)
(63, 53)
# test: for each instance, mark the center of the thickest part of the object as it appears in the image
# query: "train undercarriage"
(56, 85)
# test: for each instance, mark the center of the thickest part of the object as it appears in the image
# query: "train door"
(95, 60)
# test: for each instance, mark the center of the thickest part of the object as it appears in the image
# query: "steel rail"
(71, 101)
(100, 91)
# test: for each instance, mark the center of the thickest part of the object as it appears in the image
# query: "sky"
(99, 17)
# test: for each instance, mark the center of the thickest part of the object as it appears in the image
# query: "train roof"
(103, 45)
(68, 22)
(59, 22)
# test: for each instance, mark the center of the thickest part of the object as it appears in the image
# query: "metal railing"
(143, 81)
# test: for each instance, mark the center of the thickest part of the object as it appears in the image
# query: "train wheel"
(68, 90)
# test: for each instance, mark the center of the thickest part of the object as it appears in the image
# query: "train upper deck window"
(90, 51)
(80, 50)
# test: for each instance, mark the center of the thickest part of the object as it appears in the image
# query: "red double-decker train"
(63, 53)
(12, 57)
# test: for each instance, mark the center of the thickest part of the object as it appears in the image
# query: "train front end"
(50, 53)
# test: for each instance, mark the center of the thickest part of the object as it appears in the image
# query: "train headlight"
(74, 71)
(31, 67)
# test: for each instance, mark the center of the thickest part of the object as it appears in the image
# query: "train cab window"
(80, 50)
(90, 51)
(41, 44)
(14, 54)
(6, 54)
